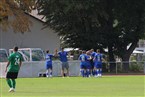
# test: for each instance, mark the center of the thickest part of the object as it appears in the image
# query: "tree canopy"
(112, 24)
(75, 20)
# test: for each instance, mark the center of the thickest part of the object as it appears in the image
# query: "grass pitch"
(107, 86)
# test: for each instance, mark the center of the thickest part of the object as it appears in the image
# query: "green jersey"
(14, 59)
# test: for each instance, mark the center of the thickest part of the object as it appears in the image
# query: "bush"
(135, 67)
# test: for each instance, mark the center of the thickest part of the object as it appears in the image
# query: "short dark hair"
(98, 50)
(83, 51)
(16, 48)
(62, 48)
(47, 51)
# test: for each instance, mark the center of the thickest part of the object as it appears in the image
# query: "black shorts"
(12, 75)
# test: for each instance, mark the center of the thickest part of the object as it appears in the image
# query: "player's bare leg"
(62, 73)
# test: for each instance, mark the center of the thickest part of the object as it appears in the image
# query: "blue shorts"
(89, 66)
(98, 65)
(48, 66)
(83, 66)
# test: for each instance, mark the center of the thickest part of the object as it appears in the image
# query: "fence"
(32, 69)
(125, 67)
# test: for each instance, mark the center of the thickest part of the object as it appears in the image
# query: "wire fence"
(129, 67)
(32, 69)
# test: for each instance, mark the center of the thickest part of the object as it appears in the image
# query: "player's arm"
(89, 58)
(8, 63)
(94, 58)
(20, 64)
(68, 54)
(79, 58)
(55, 53)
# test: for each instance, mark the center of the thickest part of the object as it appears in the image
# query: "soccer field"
(107, 86)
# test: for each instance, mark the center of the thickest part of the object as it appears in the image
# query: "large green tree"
(86, 24)
(75, 20)
(130, 27)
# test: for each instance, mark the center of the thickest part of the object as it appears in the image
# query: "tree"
(75, 20)
(12, 14)
(114, 24)
(130, 15)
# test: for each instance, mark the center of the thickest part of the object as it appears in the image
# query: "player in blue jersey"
(48, 63)
(98, 63)
(88, 63)
(83, 65)
(92, 62)
(64, 61)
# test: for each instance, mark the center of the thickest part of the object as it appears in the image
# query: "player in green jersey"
(12, 68)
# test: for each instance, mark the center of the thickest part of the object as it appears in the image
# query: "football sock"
(93, 72)
(100, 71)
(14, 83)
(9, 83)
(97, 71)
(88, 73)
(51, 73)
(85, 73)
(47, 72)
(82, 73)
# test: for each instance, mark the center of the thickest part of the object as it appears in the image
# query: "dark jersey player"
(12, 68)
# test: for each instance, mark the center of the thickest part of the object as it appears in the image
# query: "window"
(37, 55)
(3, 56)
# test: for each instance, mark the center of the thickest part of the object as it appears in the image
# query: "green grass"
(107, 86)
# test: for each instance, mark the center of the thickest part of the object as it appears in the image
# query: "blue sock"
(93, 72)
(87, 73)
(82, 73)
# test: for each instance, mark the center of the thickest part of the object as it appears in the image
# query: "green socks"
(11, 83)
(14, 83)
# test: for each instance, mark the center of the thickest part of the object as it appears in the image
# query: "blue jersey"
(98, 58)
(88, 62)
(93, 54)
(63, 56)
(48, 58)
(83, 59)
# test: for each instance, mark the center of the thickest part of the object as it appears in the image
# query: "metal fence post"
(116, 68)
(144, 67)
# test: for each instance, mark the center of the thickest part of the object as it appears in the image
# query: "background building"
(37, 38)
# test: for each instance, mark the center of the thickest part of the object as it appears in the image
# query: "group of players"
(90, 63)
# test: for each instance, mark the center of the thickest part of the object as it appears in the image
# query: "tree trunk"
(109, 28)
(125, 66)
(111, 59)
(127, 55)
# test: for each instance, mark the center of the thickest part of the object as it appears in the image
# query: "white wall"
(32, 69)
(37, 38)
